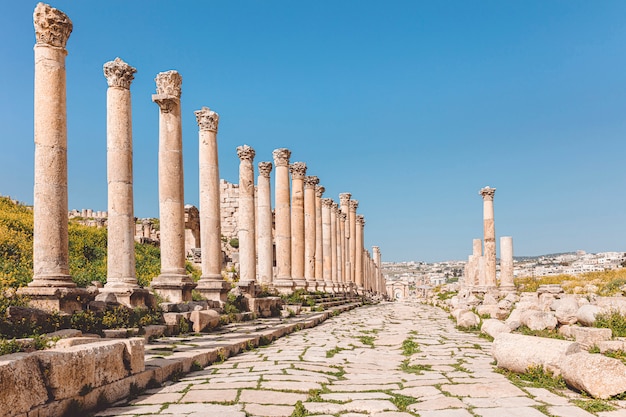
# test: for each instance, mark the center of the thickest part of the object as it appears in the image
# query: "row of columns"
(319, 246)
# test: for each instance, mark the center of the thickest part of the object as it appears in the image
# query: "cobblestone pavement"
(354, 365)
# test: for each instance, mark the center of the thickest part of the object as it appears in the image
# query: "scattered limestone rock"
(493, 327)
(598, 375)
(590, 336)
(586, 314)
(514, 320)
(539, 320)
(467, 319)
(566, 309)
(203, 319)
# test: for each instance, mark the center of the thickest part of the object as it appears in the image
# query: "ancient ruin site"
(268, 297)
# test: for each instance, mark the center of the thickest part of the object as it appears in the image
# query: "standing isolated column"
(358, 264)
(246, 219)
(353, 205)
(298, 172)
(319, 240)
(310, 182)
(489, 236)
(51, 278)
(506, 263)
(211, 284)
(327, 205)
(121, 273)
(264, 222)
(173, 283)
(283, 282)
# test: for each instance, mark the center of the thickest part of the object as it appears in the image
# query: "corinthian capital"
(319, 190)
(207, 119)
(354, 204)
(342, 216)
(327, 202)
(487, 193)
(311, 181)
(169, 83)
(344, 198)
(118, 73)
(265, 168)
(298, 170)
(245, 153)
(52, 26)
(360, 220)
(281, 157)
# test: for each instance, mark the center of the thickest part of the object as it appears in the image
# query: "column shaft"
(489, 236)
(310, 229)
(334, 244)
(353, 246)
(246, 218)
(298, 172)
(283, 280)
(319, 240)
(506, 263)
(327, 242)
(264, 223)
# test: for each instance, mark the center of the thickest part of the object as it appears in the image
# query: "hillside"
(87, 250)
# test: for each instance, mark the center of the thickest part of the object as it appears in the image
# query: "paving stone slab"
(270, 397)
(210, 396)
(269, 410)
(441, 403)
(508, 412)
(501, 402)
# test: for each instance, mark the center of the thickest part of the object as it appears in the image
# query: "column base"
(311, 285)
(214, 288)
(175, 288)
(248, 288)
(48, 281)
(300, 284)
(328, 287)
(284, 286)
(507, 288)
(55, 299)
(129, 296)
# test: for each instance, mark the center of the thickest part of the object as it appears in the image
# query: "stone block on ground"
(21, 384)
(598, 375)
(204, 319)
(590, 336)
(539, 320)
(493, 327)
(565, 310)
(467, 319)
(586, 314)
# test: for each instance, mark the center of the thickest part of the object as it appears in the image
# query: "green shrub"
(612, 320)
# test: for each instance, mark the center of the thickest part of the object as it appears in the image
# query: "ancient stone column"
(344, 204)
(477, 254)
(52, 287)
(377, 268)
(319, 240)
(264, 223)
(246, 219)
(121, 274)
(327, 205)
(341, 247)
(334, 243)
(173, 283)
(211, 285)
(358, 264)
(283, 282)
(310, 227)
(489, 236)
(506, 263)
(353, 204)
(298, 172)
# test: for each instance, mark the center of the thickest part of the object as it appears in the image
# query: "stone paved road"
(353, 365)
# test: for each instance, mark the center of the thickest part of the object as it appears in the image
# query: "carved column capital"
(360, 220)
(207, 119)
(281, 156)
(298, 170)
(342, 216)
(168, 90)
(311, 181)
(327, 202)
(245, 152)
(265, 168)
(354, 204)
(118, 73)
(335, 207)
(319, 190)
(487, 193)
(52, 26)
(344, 198)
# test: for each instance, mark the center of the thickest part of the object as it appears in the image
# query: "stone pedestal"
(327, 204)
(506, 264)
(246, 219)
(298, 172)
(489, 236)
(211, 285)
(319, 240)
(310, 229)
(173, 283)
(265, 244)
(283, 282)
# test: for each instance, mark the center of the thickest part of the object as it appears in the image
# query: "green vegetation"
(594, 406)
(553, 334)
(608, 282)
(367, 340)
(536, 377)
(333, 351)
(414, 369)
(409, 347)
(612, 320)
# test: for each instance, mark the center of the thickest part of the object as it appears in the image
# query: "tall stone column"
(506, 263)
(173, 283)
(319, 240)
(358, 265)
(52, 287)
(352, 219)
(327, 205)
(489, 236)
(283, 282)
(334, 242)
(211, 285)
(298, 172)
(377, 265)
(264, 223)
(344, 204)
(310, 228)
(246, 219)
(341, 243)
(121, 273)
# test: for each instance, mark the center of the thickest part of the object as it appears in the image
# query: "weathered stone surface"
(21, 384)
(493, 327)
(611, 346)
(492, 310)
(69, 370)
(586, 314)
(598, 375)
(539, 320)
(608, 304)
(134, 355)
(204, 319)
(467, 319)
(515, 319)
(565, 310)
(590, 336)
(517, 352)
(75, 341)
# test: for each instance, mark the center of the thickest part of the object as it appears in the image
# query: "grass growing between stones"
(409, 347)
(536, 377)
(594, 406)
(402, 401)
(414, 369)
(367, 340)
(334, 351)
(612, 320)
(553, 334)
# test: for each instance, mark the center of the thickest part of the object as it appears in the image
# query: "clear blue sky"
(412, 106)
